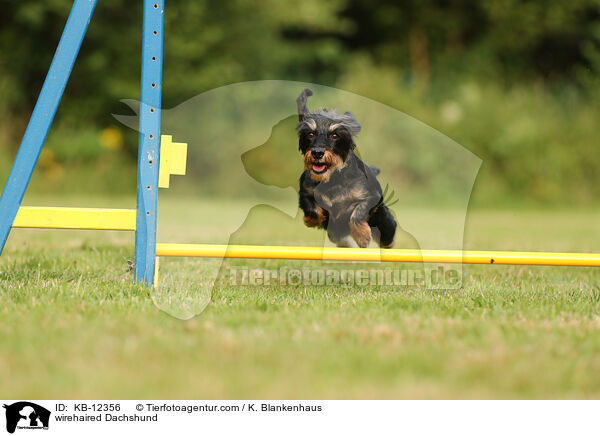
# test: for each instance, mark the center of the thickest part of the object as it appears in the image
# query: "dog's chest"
(334, 196)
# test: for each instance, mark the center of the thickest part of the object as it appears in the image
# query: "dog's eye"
(335, 136)
(310, 135)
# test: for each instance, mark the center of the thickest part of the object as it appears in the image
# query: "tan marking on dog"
(360, 232)
(334, 126)
(355, 194)
(333, 162)
(311, 123)
(308, 163)
(315, 222)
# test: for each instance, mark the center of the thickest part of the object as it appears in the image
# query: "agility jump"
(158, 158)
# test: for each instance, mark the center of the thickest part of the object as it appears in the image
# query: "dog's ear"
(350, 123)
(301, 101)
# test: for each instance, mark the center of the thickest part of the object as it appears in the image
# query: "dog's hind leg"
(359, 228)
(338, 232)
(385, 224)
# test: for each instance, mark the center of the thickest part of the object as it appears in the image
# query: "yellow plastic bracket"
(173, 157)
(75, 218)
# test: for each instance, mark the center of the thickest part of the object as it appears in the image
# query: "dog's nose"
(317, 153)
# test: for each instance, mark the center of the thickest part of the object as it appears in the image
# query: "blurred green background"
(515, 82)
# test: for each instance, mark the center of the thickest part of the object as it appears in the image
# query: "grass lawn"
(73, 324)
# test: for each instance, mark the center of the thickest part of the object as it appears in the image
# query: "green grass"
(73, 325)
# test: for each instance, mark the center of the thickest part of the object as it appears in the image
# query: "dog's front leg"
(359, 227)
(314, 215)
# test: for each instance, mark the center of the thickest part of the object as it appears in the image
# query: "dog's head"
(326, 138)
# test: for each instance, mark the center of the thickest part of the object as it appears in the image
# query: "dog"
(338, 192)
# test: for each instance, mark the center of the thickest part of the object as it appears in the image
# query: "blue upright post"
(149, 141)
(43, 114)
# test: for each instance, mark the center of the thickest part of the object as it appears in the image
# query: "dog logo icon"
(26, 415)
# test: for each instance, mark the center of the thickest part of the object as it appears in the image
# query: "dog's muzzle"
(318, 165)
(320, 169)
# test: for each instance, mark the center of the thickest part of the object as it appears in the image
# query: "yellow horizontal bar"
(373, 254)
(75, 218)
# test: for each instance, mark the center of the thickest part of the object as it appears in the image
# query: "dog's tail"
(301, 101)
(389, 197)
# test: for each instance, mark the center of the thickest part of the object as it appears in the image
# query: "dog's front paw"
(361, 233)
(315, 218)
